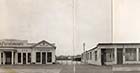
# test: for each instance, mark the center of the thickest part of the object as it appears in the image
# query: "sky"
(126, 21)
(52, 20)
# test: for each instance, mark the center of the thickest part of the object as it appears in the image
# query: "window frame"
(38, 57)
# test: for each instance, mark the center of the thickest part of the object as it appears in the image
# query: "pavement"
(69, 67)
(130, 68)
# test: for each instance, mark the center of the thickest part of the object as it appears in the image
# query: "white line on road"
(74, 68)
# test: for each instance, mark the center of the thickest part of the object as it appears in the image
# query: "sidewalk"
(129, 67)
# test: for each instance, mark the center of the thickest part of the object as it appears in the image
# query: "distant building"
(14, 51)
(77, 58)
(113, 53)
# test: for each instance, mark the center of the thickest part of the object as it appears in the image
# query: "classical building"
(14, 51)
(113, 53)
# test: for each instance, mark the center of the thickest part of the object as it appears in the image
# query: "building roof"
(14, 43)
(99, 44)
(118, 44)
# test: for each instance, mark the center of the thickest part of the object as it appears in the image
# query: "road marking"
(74, 68)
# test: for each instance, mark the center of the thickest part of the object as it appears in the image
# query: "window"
(38, 57)
(90, 55)
(1, 55)
(109, 55)
(19, 57)
(29, 57)
(130, 54)
(95, 55)
(86, 55)
(49, 57)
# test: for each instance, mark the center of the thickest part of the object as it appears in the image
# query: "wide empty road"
(69, 68)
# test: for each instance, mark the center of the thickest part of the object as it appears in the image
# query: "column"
(33, 56)
(115, 55)
(3, 58)
(0, 57)
(124, 53)
(53, 57)
(46, 57)
(12, 57)
(16, 58)
(41, 57)
(21, 58)
(137, 52)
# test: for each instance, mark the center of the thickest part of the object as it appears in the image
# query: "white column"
(3, 58)
(115, 55)
(0, 57)
(33, 56)
(41, 57)
(137, 50)
(53, 56)
(16, 58)
(12, 57)
(46, 57)
(21, 57)
(124, 53)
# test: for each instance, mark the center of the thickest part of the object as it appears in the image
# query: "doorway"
(119, 55)
(24, 58)
(43, 57)
(103, 56)
(8, 57)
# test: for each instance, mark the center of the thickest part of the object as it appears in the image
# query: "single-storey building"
(113, 53)
(13, 51)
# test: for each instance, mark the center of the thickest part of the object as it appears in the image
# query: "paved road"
(57, 68)
(83, 68)
(68, 68)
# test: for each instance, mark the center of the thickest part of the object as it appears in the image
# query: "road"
(68, 67)
(83, 68)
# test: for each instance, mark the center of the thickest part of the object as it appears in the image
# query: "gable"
(44, 44)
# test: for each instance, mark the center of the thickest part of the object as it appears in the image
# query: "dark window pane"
(19, 57)
(130, 54)
(38, 56)
(49, 56)
(29, 57)
(95, 55)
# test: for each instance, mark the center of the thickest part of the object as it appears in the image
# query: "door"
(120, 56)
(8, 58)
(103, 56)
(24, 58)
(43, 57)
(49, 57)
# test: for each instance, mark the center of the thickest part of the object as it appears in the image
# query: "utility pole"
(84, 53)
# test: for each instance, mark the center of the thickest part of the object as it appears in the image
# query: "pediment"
(43, 44)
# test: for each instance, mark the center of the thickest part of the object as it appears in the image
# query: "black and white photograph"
(69, 36)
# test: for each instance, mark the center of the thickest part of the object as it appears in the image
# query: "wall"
(93, 61)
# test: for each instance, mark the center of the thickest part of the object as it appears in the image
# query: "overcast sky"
(52, 20)
(127, 21)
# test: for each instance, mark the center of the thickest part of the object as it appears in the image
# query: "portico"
(7, 56)
(39, 53)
